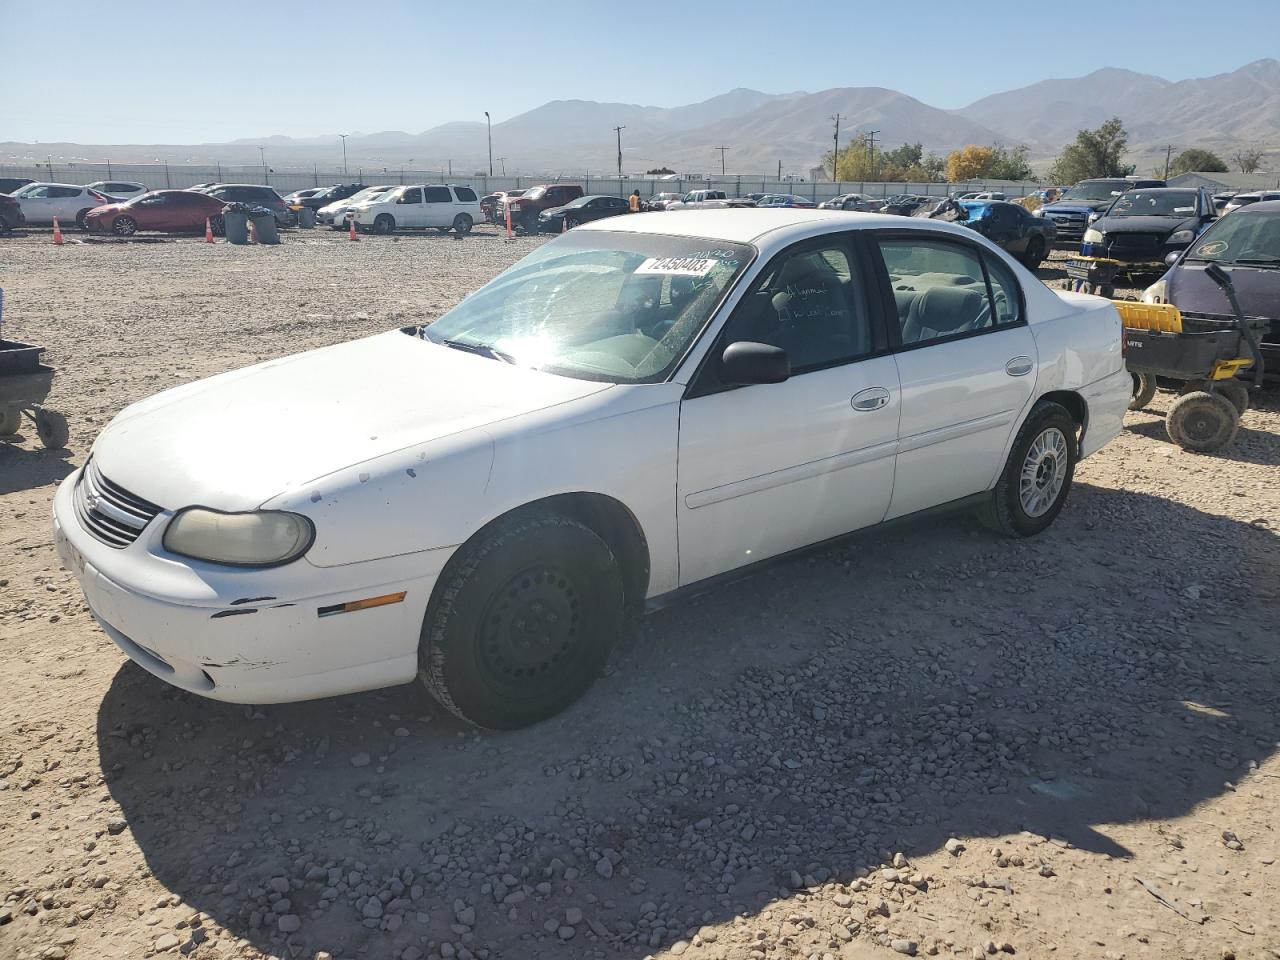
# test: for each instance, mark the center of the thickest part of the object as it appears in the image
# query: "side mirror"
(1172, 258)
(744, 363)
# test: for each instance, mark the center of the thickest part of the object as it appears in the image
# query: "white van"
(419, 207)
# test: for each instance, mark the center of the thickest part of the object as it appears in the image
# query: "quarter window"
(810, 303)
(465, 194)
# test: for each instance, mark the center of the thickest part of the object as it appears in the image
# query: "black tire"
(51, 428)
(1235, 393)
(82, 219)
(384, 223)
(1035, 253)
(5, 227)
(1144, 388)
(124, 226)
(1202, 422)
(570, 223)
(218, 226)
(1018, 513)
(463, 223)
(523, 619)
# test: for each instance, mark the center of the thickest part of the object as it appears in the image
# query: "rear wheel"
(218, 226)
(1037, 476)
(462, 223)
(1144, 388)
(384, 223)
(523, 620)
(1236, 393)
(1035, 253)
(1202, 422)
(124, 226)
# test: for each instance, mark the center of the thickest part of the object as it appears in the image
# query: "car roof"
(749, 224)
(50, 183)
(1263, 206)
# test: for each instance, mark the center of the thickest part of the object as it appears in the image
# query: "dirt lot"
(930, 741)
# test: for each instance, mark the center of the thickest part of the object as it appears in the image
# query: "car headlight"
(1156, 293)
(262, 538)
(1182, 236)
(1092, 236)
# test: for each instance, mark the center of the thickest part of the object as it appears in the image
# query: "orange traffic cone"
(351, 233)
(510, 234)
(208, 230)
(57, 233)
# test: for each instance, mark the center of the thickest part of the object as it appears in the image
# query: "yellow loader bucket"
(1161, 317)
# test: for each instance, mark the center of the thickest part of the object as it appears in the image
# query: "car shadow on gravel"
(795, 728)
(22, 469)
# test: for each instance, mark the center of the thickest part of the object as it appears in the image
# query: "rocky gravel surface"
(927, 742)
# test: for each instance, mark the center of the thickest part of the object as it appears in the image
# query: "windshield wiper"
(1259, 261)
(480, 349)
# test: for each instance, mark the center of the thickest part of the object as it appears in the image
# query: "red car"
(169, 211)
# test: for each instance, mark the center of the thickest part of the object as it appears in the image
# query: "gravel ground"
(927, 742)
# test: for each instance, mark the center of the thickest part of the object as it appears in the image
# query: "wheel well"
(613, 523)
(1074, 404)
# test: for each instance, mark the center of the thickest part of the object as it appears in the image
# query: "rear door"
(438, 207)
(966, 361)
(66, 202)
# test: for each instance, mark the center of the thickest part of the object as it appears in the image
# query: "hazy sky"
(178, 71)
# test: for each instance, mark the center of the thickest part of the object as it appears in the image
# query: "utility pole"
(618, 130)
(835, 155)
(871, 151)
(779, 169)
(489, 123)
(503, 161)
(1168, 152)
(722, 152)
(344, 152)
(262, 153)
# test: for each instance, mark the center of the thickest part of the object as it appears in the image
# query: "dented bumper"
(250, 636)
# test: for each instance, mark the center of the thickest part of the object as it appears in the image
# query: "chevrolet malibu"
(637, 408)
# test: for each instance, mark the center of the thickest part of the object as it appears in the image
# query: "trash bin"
(306, 217)
(236, 225)
(264, 227)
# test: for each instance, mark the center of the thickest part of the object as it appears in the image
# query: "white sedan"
(638, 406)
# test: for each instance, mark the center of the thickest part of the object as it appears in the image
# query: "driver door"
(409, 210)
(768, 468)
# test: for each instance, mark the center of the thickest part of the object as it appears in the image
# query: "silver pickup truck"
(707, 200)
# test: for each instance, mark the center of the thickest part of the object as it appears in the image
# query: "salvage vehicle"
(334, 214)
(785, 200)
(659, 201)
(851, 201)
(491, 205)
(1010, 227)
(258, 195)
(1071, 213)
(580, 211)
(10, 214)
(168, 211)
(1244, 199)
(1246, 245)
(709, 200)
(452, 207)
(636, 409)
(525, 208)
(1138, 233)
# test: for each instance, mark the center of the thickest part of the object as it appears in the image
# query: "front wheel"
(523, 620)
(124, 226)
(384, 223)
(218, 226)
(1037, 477)
(1035, 253)
(1144, 388)
(1202, 422)
(462, 223)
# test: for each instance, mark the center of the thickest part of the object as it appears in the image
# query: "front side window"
(940, 289)
(438, 195)
(410, 195)
(63, 193)
(615, 307)
(812, 304)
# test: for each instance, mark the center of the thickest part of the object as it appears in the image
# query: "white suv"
(419, 207)
(69, 202)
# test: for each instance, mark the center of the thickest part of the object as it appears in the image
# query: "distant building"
(1225, 182)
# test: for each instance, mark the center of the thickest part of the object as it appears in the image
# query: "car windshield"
(1155, 203)
(1244, 237)
(1096, 190)
(580, 202)
(535, 194)
(598, 305)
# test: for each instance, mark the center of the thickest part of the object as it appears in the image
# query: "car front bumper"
(249, 636)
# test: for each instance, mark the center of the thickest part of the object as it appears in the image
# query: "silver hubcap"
(1044, 471)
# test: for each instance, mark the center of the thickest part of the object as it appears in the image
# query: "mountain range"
(762, 131)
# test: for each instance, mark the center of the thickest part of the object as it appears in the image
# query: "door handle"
(872, 398)
(1018, 366)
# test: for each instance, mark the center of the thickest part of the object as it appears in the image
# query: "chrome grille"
(108, 511)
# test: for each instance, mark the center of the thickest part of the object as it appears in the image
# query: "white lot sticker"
(678, 266)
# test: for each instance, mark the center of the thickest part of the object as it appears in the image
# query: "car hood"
(1143, 224)
(554, 211)
(236, 440)
(105, 210)
(1190, 289)
(1076, 206)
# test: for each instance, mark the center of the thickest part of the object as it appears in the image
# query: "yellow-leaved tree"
(970, 163)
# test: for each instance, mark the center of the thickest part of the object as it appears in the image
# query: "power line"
(722, 153)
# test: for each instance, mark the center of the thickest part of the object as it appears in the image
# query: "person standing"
(634, 200)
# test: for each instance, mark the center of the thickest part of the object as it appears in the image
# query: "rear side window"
(64, 192)
(941, 291)
(465, 194)
(439, 195)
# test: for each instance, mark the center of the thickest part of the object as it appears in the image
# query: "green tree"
(1009, 164)
(1095, 153)
(1195, 159)
(660, 171)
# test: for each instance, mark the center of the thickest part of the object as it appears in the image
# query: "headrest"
(947, 309)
